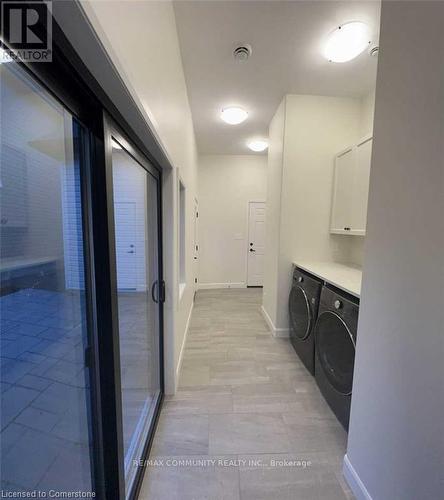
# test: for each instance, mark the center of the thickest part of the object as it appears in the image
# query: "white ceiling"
(286, 38)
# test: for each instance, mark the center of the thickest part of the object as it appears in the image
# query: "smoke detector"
(242, 52)
(373, 50)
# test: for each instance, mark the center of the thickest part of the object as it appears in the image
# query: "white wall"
(141, 39)
(396, 438)
(357, 243)
(367, 113)
(315, 129)
(272, 223)
(226, 184)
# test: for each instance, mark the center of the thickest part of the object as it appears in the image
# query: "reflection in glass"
(135, 218)
(45, 440)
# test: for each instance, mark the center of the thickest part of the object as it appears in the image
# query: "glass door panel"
(137, 272)
(45, 400)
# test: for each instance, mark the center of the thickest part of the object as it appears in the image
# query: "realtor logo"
(26, 28)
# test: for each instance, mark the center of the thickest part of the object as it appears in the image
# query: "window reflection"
(45, 441)
(135, 218)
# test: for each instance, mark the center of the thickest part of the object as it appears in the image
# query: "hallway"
(248, 421)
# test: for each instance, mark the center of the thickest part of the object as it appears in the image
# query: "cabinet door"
(342, 192)
(361, 180)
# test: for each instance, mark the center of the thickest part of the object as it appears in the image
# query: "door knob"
(252, 250)
(131, 251)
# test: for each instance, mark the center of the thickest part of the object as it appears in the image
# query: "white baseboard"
(215, 286)
(354, 481)
(182, 348)
(276, 332)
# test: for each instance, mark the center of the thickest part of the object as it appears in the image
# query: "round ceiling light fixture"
(233, 115)
(257, 145)
(347, 41)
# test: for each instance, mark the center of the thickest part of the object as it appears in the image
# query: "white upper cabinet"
(350, 189)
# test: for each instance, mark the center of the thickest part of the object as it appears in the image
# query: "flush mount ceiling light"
(115, 144)
(347, 41)
(258, 145)
(233, 116)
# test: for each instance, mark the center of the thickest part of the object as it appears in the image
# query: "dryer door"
(300, 313)
(335, 349)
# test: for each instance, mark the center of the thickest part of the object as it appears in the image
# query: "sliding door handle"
(158, 294)
(162, 291)
(155, 292)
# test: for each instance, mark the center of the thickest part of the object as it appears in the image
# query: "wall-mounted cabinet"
(350, 189)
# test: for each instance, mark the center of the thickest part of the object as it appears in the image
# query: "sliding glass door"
(45, 435)
(135, 195)
(81, 290)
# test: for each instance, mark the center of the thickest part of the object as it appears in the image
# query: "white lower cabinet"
(350, 189)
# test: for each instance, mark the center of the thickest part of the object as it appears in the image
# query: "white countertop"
(347, 277)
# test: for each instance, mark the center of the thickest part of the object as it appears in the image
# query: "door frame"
(247, 244)
(70, 82)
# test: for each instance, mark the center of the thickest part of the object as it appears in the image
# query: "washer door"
(300, 313)
(335, 349)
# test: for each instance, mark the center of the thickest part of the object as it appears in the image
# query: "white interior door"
(125, 229)
(256, 243)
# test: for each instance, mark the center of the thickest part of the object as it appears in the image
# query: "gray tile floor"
(44, 418)
(248, 421)
(43, 415)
